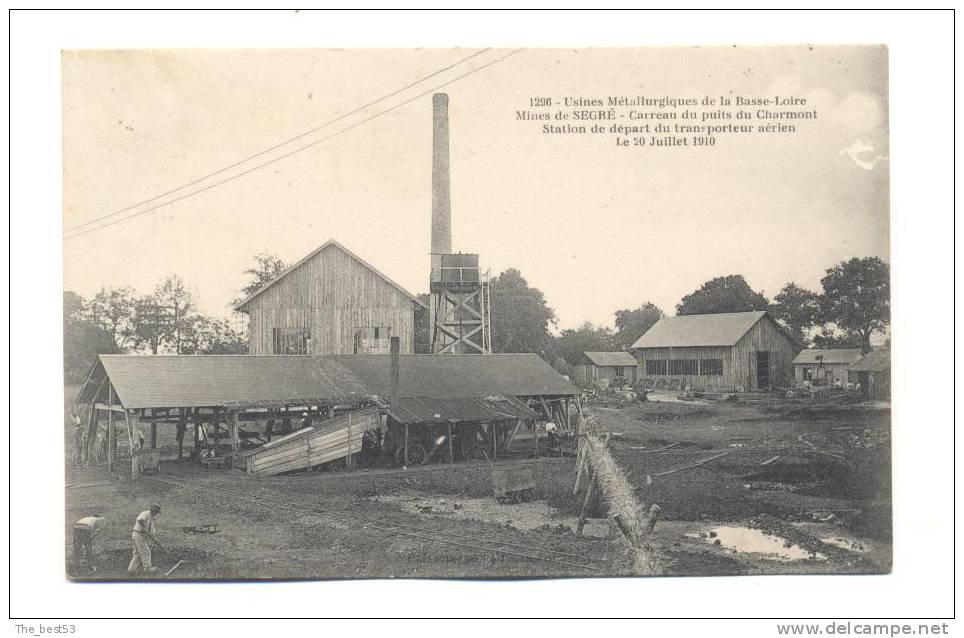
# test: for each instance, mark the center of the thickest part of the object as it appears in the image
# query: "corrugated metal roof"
(145, 381)
(457, 410)
(723, 329)
(331, 243)
(828, 355)
(615, 359)
(873, 361)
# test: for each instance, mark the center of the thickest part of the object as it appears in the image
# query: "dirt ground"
(823, 506)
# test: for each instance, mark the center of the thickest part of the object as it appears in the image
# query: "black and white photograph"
(525, 315)
(435, 314)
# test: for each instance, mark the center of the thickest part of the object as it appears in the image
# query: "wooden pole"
(111, 439)
(580, 463)
(348, 459)
(216, 420)
(197, 440)
(131, 426)
(235, 437)
(406, 445)
(585, 504)
(451, 450)
(535, 436)
(153, 436)
(495, 441)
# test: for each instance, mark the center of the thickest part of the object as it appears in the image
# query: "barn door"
(762, 370)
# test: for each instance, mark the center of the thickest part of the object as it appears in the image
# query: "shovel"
(169, 555)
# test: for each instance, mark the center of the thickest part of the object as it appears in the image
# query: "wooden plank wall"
(328, 441)
(333, 295)
(739, 362)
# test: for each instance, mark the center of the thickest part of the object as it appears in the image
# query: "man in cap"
(143, 532)
(85, 531)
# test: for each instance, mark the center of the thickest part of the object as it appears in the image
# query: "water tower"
(459, 305)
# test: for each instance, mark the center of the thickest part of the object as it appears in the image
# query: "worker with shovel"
(143, 532)
(85, 531)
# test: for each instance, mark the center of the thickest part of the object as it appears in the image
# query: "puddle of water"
(847, 543)
(754, 541)
(530, 515)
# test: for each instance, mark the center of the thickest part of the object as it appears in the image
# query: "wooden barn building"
(331, 302)
(824, 366)
(593, 367)
(872, 372)
(739, 351)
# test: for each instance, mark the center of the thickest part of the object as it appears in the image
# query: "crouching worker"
(143, 532)
(85, 531)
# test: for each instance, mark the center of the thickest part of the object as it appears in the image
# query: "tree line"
(119, 320)
(853, 304)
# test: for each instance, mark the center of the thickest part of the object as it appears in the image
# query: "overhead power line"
(276, 146)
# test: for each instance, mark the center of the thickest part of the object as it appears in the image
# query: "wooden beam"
(584, 512)
(154, 435)
(111, 447)
(451, 449)
(131, 426)
(109, 406)
(235, 438)
(349, 460)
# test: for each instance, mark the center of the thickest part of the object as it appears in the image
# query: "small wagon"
(148, 461)
(513, 484)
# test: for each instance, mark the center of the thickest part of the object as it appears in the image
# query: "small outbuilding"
(738, 351)
(872, 372)
(825, 367)
(596, 366)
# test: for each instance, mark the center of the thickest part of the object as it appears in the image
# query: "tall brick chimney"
(441, 198)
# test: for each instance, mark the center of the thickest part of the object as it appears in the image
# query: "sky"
(595, 227)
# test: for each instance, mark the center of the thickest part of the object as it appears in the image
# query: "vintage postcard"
(476, 313)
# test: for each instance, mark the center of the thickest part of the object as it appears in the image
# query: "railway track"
(395, 528)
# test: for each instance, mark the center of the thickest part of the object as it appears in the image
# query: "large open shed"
(494, 394)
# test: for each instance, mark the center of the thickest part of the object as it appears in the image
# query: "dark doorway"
(762, 370)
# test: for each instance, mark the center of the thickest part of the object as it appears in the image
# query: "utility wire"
(276, 146)
(290, 153)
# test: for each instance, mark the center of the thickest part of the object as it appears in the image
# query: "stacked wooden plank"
(328, 441)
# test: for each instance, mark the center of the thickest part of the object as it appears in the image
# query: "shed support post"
(535, 436)
(235, 440)
(154, 435)
(495, 440)
(216, 420)
(197, 440)
(406, 445)
(131, 427)
(451, 450)
(348, 459)
(111, 438)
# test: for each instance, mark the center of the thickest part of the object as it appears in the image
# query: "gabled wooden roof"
(173, 381)
(719, 329)
(331, 243)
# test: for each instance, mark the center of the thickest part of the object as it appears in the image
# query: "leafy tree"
(204, 335)
(829, 337)
(632, 324)
(113, 310)
(722, 294)
(562, 366)
(267, 268)
(83, 340)
(520, 315)
(571, 343)
(798, 310)
(856, 298)
(176, 302)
